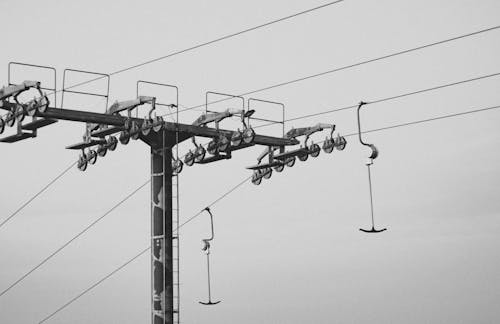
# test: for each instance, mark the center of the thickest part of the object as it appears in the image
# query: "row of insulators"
(220, 145)
(313, 150)
(214, 147)
(23, 110)
(90, 157)
(132, 130)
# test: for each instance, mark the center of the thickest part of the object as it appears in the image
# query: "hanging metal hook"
(372, 156)
(374, 153)
(206, 247)
(206, 242)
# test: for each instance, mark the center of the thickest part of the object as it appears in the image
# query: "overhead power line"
(385, 99)
(350, 66)
(139, 254)
(51, 182)
(398, 96)
(94, 285)
(191, 48)
(415, 122)
(53, 254)
(246, 179)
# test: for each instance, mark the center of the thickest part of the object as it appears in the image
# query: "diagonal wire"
(394, 97)
(244, 181)
(53, 254)
(217, 200)
(137, 255)
(350, 66)
(213, 41)
(94, 285)
(415, 122)
(37, 194)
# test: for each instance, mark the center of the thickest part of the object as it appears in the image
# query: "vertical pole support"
(161, 233)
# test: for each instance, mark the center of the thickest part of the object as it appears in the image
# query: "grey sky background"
(288, 251)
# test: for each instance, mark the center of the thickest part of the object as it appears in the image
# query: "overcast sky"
(289, 250)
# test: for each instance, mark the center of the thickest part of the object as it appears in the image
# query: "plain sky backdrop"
(289, 250)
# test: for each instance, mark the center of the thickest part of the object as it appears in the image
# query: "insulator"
(158, 124)
(314, 150)
(199, 153)
(189, 158)
(19, 113)
(212, 147)
(303, 156)
(111, 143)
(124, 137)
(177, 166)
(290, 162)
(42, 103)
(10, 119)
(134, 130)
(92, 156)
(223, 144)
(328, 145)
(102, 150)
(340, 143)
(31, 107)
(248, 135)
(267, 173)
(279, 168)
(256, 178)
(236, 138)
(146, 126)
(82, 163)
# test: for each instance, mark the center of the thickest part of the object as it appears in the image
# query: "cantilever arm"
(374, 153)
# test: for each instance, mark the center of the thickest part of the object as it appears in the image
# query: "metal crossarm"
(163, 138)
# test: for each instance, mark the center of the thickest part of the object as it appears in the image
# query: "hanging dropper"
(372, 157)
(206, 247)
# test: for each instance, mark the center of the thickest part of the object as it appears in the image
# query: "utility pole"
(161, 137)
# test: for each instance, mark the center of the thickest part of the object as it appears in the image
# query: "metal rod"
(225, 95)
(65, 89)
(371, 196)
(208, 275)
(272, 121)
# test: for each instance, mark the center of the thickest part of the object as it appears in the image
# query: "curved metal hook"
(206, 241)
(374, 153)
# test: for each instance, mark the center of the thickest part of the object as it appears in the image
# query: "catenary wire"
(191, 48)
(394, 97)
(212, 41)
(346, 67)
(139, 254)
(51, 182)
(244, 181)
(94, 285)
(53, 254)
(308, 116)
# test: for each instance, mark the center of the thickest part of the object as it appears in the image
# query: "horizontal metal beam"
(185, 131)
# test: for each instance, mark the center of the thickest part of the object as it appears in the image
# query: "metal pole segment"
(371, 196)
(161, 236)
(208, 272)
